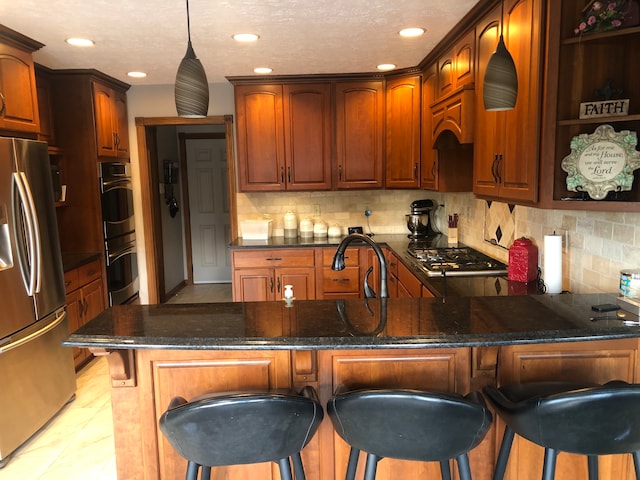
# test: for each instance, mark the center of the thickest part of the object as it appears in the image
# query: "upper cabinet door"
(110, 117)
(308, 136)
(428, 154)
(403, 132)
(260, 139)
(18, 96)
(359, 131)
(507, 143)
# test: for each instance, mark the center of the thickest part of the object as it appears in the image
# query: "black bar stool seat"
(409, 425)
(242, 428)
(586, 419)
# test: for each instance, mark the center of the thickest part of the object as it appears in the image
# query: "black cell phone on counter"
(605, 307)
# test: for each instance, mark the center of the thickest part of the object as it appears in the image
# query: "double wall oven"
(119, 232)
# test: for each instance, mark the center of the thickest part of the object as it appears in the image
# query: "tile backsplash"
(596, 245)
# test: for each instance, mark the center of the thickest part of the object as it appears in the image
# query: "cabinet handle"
(499, 161)
(493, 168)
(4, 104)
(289, 174)
(115, 140)
(273, 259)
(342, 280)
(415, 170)
(278, 287)
(271, 284)
(281, 174)
(340, 172)
(433, 170)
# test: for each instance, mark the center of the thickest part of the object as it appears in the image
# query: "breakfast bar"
(456, 344)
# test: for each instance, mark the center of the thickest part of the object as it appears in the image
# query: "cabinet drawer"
(273, 258)
(89, 272)
(343, 281)
(351, 257)
(71, 280)
(410, 281)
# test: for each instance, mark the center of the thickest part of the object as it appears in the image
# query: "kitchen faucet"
(338, 263)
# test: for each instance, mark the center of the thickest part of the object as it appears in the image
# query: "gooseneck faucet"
(338, 263)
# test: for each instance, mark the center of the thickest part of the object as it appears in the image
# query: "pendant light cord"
(189, 22)
(501, 17)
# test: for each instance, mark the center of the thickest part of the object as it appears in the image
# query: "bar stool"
(586, 419)
(409, 425)
(242, 428)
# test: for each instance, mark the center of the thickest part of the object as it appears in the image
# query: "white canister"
(290, 225)
(334, 231)
(320, 229)
(306, 227)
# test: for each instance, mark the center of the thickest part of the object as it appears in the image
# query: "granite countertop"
(71, 260)
(355, 324)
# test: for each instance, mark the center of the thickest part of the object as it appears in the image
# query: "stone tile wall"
(597, 245)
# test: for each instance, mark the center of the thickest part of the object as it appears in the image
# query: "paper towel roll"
(553, 263)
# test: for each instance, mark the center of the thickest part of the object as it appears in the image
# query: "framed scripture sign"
(601, 162)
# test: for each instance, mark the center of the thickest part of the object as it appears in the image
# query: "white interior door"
(209, 208)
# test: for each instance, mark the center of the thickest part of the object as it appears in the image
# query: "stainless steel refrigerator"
(37, 376)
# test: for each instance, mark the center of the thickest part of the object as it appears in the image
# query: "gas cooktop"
(455, 261)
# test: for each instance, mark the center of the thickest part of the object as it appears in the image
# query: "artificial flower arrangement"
(601, 16)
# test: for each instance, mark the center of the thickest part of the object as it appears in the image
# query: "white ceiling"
(296, 36)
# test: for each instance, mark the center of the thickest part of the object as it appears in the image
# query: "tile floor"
(78, 443)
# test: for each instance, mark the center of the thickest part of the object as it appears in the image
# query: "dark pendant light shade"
(500, 80)
(192, 88)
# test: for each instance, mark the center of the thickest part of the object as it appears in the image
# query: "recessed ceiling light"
(386, 66)
(80, 42)
(245, 37)
(411, 32)
(137, 74)
(263, 70)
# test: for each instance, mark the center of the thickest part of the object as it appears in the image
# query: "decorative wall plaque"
(601, 162)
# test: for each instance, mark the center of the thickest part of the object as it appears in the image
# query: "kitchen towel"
(553, 263)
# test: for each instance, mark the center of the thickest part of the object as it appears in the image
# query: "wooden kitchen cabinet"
(440, 369)
(597, 362)
(261, 274)
(428, 153)
(338, 284)
(18, 92)
(45, 106)
(402, 129)
(308, 137)
(110, 110)
(85, 300)
(260, 137)
(507, 143)
(456, 67)
(284, 135)
(401, 281)
(447, 135)
(74, 118)
(359, 131)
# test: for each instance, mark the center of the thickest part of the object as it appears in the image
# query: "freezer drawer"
(38, 379)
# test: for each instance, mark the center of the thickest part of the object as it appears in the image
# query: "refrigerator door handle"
(60, 316)
(32, 281)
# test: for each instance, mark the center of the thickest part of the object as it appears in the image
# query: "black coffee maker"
(419, 220)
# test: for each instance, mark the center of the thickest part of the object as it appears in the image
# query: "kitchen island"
(454, 344)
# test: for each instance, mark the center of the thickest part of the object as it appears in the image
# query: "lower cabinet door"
(253, 285)
(440, 369)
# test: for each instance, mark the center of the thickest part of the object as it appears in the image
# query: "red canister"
(523, 261)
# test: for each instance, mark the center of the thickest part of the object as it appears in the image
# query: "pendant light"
(500, 90)
(192, 89)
